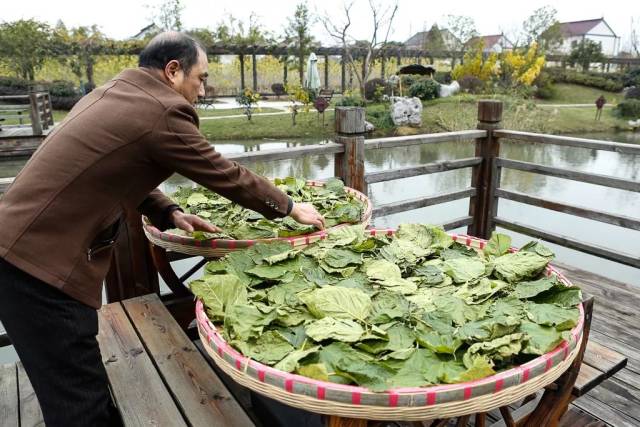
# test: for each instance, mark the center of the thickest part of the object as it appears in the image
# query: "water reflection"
(572, 192)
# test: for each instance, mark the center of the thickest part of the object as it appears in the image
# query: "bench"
(156, 374)
(326, 94)
(18, 113)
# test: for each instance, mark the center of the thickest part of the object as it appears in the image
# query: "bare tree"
(463, 28)
(369, 49)
(635, 37)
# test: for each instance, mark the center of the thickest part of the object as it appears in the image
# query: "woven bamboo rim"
(421, 411)
(215, 248)
(409, 404)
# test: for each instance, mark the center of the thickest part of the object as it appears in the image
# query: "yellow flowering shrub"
(522, 68)
(246, 99)
(476, 65)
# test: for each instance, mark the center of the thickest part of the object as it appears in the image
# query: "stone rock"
(368, 126)
(448, 90)
(406, 111)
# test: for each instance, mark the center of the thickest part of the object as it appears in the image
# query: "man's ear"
(171, 70)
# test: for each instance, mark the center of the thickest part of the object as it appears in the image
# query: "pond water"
(572, 192)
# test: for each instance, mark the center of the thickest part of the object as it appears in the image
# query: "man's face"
(192, 85)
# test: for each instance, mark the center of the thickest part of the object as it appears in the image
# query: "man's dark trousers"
(55, 338)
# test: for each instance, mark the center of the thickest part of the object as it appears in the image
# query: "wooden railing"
(623, 221)
(39, 106)
(484, 191)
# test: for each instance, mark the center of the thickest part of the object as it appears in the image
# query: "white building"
(593, 29)
(495, 43)
(421, 40)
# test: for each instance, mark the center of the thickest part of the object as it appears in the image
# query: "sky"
(121, 19)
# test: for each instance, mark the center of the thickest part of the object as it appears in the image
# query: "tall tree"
(370, 49)
(635, 37)
(77, 48)
(551, 38)
(298, 35)
(168, 15)
(234, 31)
(463, 28)
(585, 53)
(203, 35)
(434, 41)
(24, 46)
(541, 21)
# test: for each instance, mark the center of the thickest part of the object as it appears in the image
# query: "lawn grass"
(440, 115)
(271, 127)
(58, 115)
(575, 94)
(232, 111)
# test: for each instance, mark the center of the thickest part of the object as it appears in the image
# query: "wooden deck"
(616, 325)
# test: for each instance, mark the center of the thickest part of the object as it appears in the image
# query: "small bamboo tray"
(214, 248)
(408, 404)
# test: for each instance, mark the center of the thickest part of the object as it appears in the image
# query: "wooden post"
(349, 127)
(326, 71)
(241, 57)
(254, 67)
(483, 206)
(36, 123)
(132, 272)
(342, 73)
(382, 63)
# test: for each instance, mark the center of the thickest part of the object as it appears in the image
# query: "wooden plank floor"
(616, 325)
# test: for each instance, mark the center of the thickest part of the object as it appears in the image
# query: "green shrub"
(425, 89)
(544, 86)
(62, 88)
(629, 108)
(471, 84)
(632, 78)
(633, 93)
(407, 80)
(278, 89)
(598, 81)
(375, 88)
(350, 100)
(443, 77)
(14, 86)
(381, 119)
(65, 103)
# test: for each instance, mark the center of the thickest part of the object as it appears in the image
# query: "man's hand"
(305, 213)
(190, 223)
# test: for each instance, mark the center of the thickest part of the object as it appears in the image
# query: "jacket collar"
(149, 82)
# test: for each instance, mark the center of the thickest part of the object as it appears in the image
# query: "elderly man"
(62, 215)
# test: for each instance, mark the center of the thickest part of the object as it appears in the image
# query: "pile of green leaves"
(407, 311)
(332, 201)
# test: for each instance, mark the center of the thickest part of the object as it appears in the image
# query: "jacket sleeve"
(157, 208)
(177, 145)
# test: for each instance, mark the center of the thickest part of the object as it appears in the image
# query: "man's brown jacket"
(61, 215)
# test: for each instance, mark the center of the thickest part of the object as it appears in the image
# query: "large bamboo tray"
(219, 247)
(409, 404)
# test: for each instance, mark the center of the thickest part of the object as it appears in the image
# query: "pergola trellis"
(385, 54)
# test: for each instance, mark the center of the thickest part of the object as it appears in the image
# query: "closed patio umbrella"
(312, 78)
